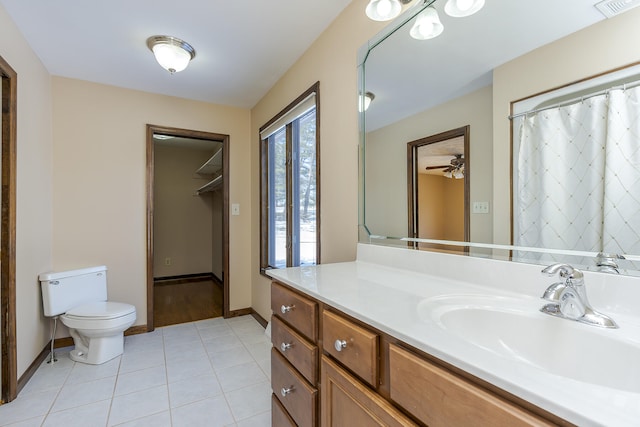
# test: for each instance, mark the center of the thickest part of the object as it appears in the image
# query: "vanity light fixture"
(171, 53)
(384, 10)
(427, 25)
(461, 8)
(365, 101)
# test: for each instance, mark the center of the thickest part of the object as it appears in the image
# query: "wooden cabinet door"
(299, 312)
(279, 415)
(300, 353)
(293, 391)
(438, 397)
(359, 350)
(346, 402)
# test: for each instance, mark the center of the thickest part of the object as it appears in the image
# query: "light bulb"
(427, 25)
(461, 8)
(464, 4)
(383, 10)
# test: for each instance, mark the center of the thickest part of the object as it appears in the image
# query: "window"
(290, 204)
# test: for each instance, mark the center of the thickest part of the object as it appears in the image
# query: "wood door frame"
(186, 133)
(9, 370)
(412, 176)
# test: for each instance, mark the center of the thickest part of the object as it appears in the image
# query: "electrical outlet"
(167, 261)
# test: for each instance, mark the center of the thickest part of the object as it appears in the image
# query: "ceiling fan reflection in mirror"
(453, 170)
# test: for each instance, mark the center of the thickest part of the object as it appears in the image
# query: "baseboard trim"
(26, 376)
(135, 330)
(247, 311)
(60, 343)
(184, 278)
(259, 318)
(239, 312)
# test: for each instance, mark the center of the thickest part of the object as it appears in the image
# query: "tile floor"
(213, 372)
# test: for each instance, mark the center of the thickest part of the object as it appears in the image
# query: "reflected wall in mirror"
(472, 74)
(438, 185)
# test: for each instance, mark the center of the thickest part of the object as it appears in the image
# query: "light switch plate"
(480, 207)
(235, 209)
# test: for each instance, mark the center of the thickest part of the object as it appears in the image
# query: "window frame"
(265, 202)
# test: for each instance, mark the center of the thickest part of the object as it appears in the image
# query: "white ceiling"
(439, 154)
(242, 46)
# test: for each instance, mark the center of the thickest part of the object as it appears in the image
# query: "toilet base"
(97, 350)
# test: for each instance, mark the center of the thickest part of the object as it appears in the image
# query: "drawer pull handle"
(285, 346)
(285, 391)
(340, 344)
(286, 308)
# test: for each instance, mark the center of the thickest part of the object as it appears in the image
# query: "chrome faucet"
(568, 299)
(607, 262)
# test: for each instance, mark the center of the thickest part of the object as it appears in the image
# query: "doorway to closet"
(187, 225)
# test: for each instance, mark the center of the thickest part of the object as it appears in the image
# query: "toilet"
(96, 325)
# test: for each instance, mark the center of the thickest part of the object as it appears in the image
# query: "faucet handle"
(554, 268)
(565, 271)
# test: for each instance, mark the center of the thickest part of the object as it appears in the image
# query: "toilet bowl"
(79, 298)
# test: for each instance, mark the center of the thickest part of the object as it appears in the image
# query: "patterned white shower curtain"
(579, 176)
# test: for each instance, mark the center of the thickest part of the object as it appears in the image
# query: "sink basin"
(515, 329)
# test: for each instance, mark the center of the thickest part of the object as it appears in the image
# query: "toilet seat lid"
(101, 310)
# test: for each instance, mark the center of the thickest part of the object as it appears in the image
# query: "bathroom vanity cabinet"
(331, 369)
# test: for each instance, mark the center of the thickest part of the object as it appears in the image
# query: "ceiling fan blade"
(437, 167)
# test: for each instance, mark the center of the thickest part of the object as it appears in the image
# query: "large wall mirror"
(477, 73)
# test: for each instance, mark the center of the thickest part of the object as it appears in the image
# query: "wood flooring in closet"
(186, 302)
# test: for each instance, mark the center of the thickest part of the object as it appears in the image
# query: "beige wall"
(387, 162)
(34, 189)
(182, 220)
(440, 207)
(600, 48)
(332, 61)
(99, 211)
(430, 207)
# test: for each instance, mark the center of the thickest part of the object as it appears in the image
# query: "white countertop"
(393, 301)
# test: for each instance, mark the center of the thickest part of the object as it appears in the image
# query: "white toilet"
(96, 325)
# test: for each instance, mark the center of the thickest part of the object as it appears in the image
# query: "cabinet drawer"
(347, 402)
(295, 394)
(300, 312)
(279, 416)
(354, 346)
(298, 351)
(438, 397)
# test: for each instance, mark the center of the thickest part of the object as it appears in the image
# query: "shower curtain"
(578, 183)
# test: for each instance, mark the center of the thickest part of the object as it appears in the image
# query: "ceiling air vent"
(611, 8)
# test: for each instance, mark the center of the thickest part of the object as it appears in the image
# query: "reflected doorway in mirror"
(438, 187)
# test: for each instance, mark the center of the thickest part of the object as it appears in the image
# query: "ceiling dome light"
(365, 101)
(461, 8)
(171, 53)
(427, 25)
(383, 10)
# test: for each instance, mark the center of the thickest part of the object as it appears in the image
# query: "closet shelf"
(210, 186)
(213, 165)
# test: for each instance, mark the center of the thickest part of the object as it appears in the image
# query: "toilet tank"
(64, 290)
